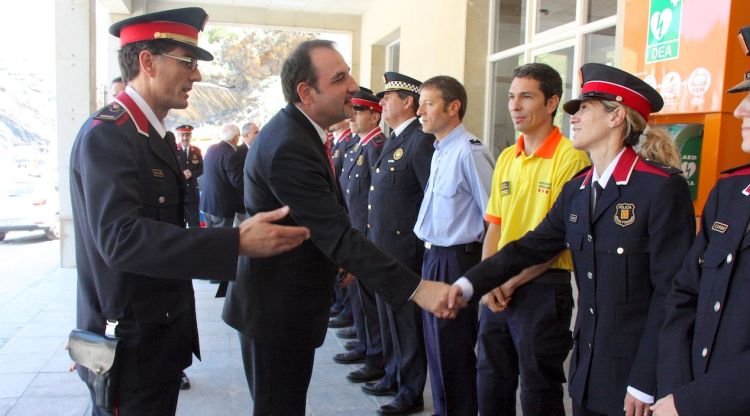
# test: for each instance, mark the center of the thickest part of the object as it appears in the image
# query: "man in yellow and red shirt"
(524, 324)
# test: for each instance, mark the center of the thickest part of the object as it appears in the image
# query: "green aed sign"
(664, 21)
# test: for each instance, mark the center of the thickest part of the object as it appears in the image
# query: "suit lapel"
(165, 149)
(610, 196)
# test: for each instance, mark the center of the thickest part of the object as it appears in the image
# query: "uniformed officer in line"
(190, 161)
(704, 345)
(524, 325)
(135, 257)
(628, 223)
(451, 224)
(342, 143)
(399, 177)
(355, 183)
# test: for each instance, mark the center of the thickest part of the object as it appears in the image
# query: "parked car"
(28, 203)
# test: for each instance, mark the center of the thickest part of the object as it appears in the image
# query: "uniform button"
(591, 311)
(369, 206)
(398, 232)
(590, 275)
(372, 188)
(700, 260)
(162, 199)
(377, 170)
(567, 245)
(589, 345)
(704, 352)
(729, 258)
(368, 226)
(589, 238)
(357, 175)
(167, 315)
(392, 169)
(347, 191)
(620, 250)
(717, 306)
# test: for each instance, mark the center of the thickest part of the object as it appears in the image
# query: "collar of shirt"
(320, 130)
(398, 130)
(450, 139)
(546, 149)
(604, 177)
(147, 111)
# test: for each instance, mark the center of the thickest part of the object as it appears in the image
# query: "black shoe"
(347, 333)
(377, 389)
(350, 345)
(366, 373)
(184, 381)
(340, 322)
(394, 408)
(349, 357)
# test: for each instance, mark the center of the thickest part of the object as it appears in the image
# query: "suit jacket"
(355, 177)
(237, 161)
(625, 254)
(399, 178)
(704, 345)
(134, 256)
(193, 161)
(220, 195)
(284, 300)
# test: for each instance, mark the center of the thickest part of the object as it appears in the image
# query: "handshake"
(441, 299)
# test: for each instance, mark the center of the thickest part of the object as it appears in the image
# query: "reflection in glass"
(562, 61)
(553, 13)
(503, 134)
(599, 47)
(599, 9)
(510, 24)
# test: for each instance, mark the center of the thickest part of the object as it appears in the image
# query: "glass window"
(599, 47)
(394, 55)
(510, 24)
(562, 61)
(553, 13)
(503, 133)
(599, 9)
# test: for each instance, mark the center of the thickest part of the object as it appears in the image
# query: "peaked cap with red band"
(180, 26)
(603, 82)
(744, 37)
(364, 99)
(185, 128)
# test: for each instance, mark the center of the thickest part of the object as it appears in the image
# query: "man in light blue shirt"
(451, 224)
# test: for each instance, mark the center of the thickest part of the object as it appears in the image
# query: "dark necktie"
(598, 191)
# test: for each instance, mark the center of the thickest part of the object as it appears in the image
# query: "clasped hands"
(441, 299)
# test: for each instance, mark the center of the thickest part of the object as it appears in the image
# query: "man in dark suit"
(399, 178)
(190, 160)
(134, 255)
(248, 133)
(280, 305)
(221, 196)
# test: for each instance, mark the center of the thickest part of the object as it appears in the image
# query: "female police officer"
(628, 223)
(704, 346)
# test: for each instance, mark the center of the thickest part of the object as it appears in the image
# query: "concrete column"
(76, 98)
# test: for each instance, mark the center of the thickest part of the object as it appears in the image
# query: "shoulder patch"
(475, 142)
(656, 168)
(110, 112)
(737, 171)
(582, 172)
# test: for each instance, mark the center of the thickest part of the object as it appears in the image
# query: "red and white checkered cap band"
(401, 85)
(159, 30)
(368, 104)
(625, 95)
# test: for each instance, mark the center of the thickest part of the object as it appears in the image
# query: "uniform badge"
(356, 147)
(360, 160)
(398, 154)
(336, 154)
(573, 218)
(505, 188)
(624, 214)
(158, 173)
(544, 187)
(719, 227)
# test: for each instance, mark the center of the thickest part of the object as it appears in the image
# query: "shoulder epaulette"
(737, 171)
(475, 142)
(658, 168)
(378, 140)
(110, 112)
(582, 172)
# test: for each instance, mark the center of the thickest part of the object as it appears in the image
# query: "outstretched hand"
(259, 237)
(435, 297)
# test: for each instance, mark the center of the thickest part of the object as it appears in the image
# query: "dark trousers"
(192, 217)
(372, 339)
(158, 400)
(278, 378)
(341, 300)
(583, 411)
(407, 341)
(531, 339)
(450, 342)
(214, 221)
(390, 380)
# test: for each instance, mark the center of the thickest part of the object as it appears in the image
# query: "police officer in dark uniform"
(399, 177)
(134, 255)
(190, 160)
(704, 345)
(355, 184)
(628, 223)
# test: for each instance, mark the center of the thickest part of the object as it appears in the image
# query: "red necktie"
(328, 144)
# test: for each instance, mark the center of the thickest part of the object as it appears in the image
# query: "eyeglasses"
(191, 62)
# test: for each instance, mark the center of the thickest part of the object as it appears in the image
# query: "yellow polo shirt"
(524, 188)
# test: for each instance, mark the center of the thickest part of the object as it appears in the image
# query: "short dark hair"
(298, 68)
(549, 79)
(414, 98)
(116, 80)
(130, 66)
(450, 89)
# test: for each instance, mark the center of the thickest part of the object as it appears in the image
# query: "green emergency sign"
(664, 21)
